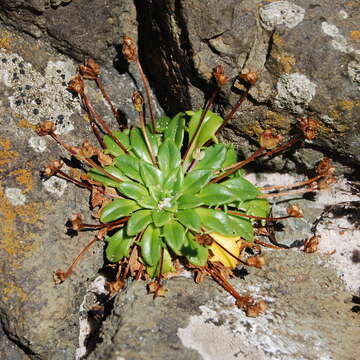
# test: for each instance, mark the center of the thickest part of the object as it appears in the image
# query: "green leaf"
(175, 129)
(133, 190)
(241, 188)
(151, 245)
(114, 171)
(166, 267)
(231, 157)
(139, 145)
(118, 246)
(129, 165)
(225, 224)
(102, 178)
(117, 209)
(196, 254)
(138, 221)
(256, 207)
(173, 182)
(214, 157)
(111, 146)
(169, 156)
(151, 175)
(174, 234)
(162, 123)
(195, 180)
(216, 194)
(188, 201)
(161, 217)
(190, 219)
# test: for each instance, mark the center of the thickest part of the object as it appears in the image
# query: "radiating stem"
(299, 191)
(258, 217)
(63, 175)
(262, 243)
(101, 226)
(290, 186)
(148, 95)
(98, 167)
(101, 87)
(147, 141)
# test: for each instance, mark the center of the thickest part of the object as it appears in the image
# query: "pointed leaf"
(169, 156)
(190, 219)
(216, 194)
(231, 157)
(129, 165)
(213, 158)
(138, 221)
(138, 145)
(114, 149)
(151, 245)
(102, 178)
(117, 209)
(173, 182)
(188, 201)
(225, 224)
(161, 217)
(151, 175)
(174, 234)
(256, 207)
(195, 180)
(241, 188)
(118, 246)
(166, 267)
(133, 190)
(175, 129)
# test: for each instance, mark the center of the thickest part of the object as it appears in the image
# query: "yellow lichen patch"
(278, 41)
(287, 62)
(6, 155)
(24, 124)
(355, 35)
(346, 104)
(5, 41)
(11, 290)
(276, 120)
(28, 213)
(24, 178)
(86, 118)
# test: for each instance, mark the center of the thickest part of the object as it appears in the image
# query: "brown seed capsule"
(104, 159)
(76, 222)
(268, 140)
(256, 309)
(138, 101)
(251, 77)
(59, 276)
(53, 167)
(129, 49)
(90, 70)
(220, 78)
(311, 244)
(45, 128)
(308, 126)
(88, 150)
(256, 261)
(76, 85)
(294, 210)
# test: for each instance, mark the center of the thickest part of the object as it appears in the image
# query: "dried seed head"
(45, 128)
(76, 85)
(138, 101)
(294, 210)
(268, 140)
(243, 302)
(311, 244)
(53, 167)
(325, 183)
(104, 159)
(102, 233)
(129, 49)
(251, 77)
(88, 150)
(59, 276)
(90, 70)
(76, 222)
(308, 126)
(256, 309)
(220, 78)
(114, 286)
(256, 261)
(156, 289)
(204, 239)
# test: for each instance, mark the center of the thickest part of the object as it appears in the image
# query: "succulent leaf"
(118, 246)
(117, 209)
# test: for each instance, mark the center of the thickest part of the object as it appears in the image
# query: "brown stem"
(299, 191)
(63, 175)
(100, 120)
(238, 165)
(202, 117)
(235, 108)
(62, 143)
(139, 272)
(258, 217)
(97, 133)
(101, 226)
(98, 167)
(256, 241)
(148, 95)
(147, 141)
(101, 87)
(161, 264)
(61, 276)
(298, 184)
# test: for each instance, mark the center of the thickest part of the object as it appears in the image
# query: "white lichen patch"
(338, 41)
(38, 144)
(55, 186)
(294, 92)
(281, 13)
(354, 72)
(15, 196)
(37, 97)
